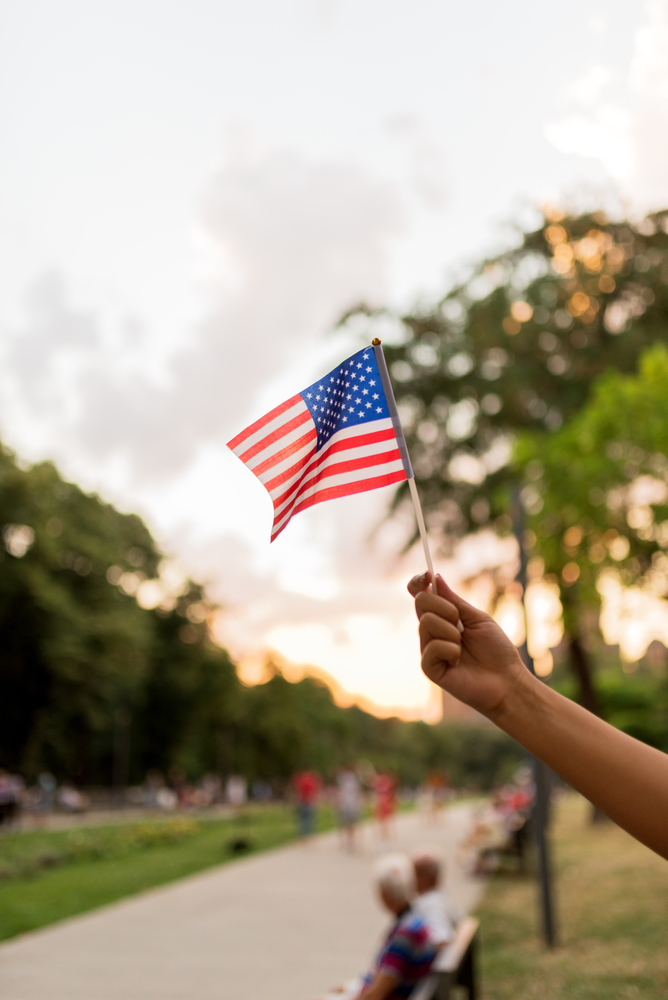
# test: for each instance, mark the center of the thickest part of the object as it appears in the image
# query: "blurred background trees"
(493, 383)
(544, 373)
(105, 673)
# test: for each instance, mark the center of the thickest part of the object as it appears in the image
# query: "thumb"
(467, 612)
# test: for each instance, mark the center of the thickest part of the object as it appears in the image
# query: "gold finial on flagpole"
(375, 342)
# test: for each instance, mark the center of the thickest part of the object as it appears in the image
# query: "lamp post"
(540, 771)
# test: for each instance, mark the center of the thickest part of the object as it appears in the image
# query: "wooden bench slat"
(425, 989)
(450, 957)
(450, 963)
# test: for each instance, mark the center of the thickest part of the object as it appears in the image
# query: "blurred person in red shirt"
(386, 803)
(307, 787)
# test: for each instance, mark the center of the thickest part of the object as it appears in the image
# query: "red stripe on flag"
(289, 474)
(344, 490)
(354, 441)
(336, 469)
(275, 436)
(263, 421)
(352, 465)
(283, 453)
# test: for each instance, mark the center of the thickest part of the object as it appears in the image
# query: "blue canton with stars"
(352, 393)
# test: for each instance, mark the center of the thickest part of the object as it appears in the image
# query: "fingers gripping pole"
(415, 496)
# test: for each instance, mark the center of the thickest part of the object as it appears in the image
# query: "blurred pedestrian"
(236, 791)
(349, 803)
(9, 798)
(70, 799)
(262, 791)
(47, 787)
(211, 792)
(153, 785)
(385, 804)
(307, 787)
(434, 795)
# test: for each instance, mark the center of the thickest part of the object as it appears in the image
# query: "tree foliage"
(72, 644)
(98, 688)
(598, 488)
(517, 347)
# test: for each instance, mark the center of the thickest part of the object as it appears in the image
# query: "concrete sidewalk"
(284, 925)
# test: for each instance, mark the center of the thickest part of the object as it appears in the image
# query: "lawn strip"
(612, 901)
(77, 883)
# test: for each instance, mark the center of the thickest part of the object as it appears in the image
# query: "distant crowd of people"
(44, 797)
(356, 790)
(354, 786)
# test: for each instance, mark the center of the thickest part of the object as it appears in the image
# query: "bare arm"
(625, 778)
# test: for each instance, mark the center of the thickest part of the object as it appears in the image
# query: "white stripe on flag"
(246, 443)
(332, 482)
(302, 489)
(275, 451)
(283, 465)
(325, 457)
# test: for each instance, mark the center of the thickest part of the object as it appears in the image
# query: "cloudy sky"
(192, 193)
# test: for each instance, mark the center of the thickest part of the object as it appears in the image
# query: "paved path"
(284, 925)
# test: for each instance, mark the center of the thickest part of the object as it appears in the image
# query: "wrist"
(521, 700)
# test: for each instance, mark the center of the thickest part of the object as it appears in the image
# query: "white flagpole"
(405, 457)
(415, 496)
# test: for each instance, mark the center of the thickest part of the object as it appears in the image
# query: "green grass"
(48, 875)
(612, 900)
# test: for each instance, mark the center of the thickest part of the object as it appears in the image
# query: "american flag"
(339, 436)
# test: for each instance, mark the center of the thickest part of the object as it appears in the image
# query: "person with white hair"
(432, 903)
(407, 952)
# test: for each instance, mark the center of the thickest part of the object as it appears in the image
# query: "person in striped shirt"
(407, 952)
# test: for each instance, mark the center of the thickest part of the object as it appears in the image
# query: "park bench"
(455, 965)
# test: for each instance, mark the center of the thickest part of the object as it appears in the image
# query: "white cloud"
(293, 244)
(604, 135)
(648, 73)
(302, 241)
(101, 177)
(426, 164)
(587, 89)
(628, 135)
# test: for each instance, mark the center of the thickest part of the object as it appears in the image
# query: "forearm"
(627, 779)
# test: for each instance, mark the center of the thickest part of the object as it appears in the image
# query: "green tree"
(190, 696)
(77, 652)
(98, 688)
(598, 488)
(516, 347)
(72, 643)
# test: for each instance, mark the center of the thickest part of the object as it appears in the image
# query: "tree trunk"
(583, 670)
(582, 667)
